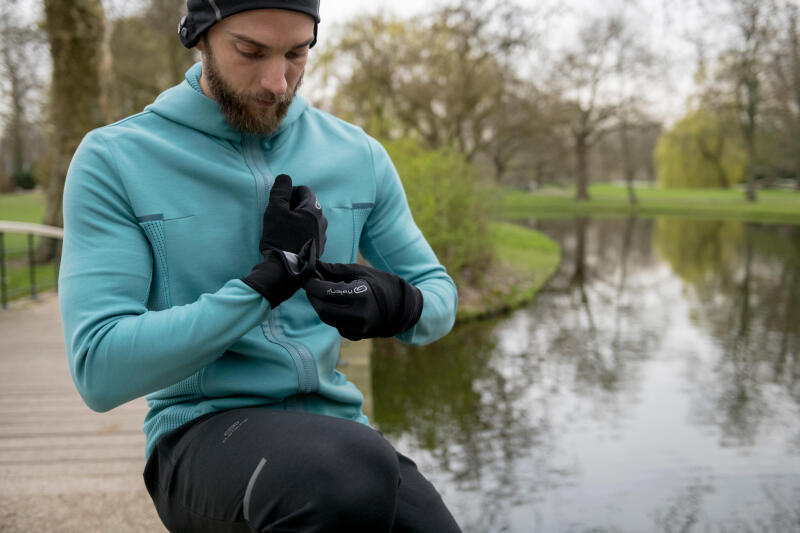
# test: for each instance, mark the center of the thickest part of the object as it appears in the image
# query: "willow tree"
(75, 32)
(702, 150)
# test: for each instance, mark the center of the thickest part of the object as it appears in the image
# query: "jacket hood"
(186, 104)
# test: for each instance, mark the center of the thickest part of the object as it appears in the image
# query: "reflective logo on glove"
(357, 290)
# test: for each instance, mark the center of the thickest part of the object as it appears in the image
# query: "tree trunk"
(627, 162)
(751, 160)
(15, 123)
(75, 31)
(795, 39)
(582, 156)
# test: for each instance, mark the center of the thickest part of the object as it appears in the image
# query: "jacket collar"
(187, 105)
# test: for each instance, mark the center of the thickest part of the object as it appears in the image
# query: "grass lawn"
(525, 260)
(23, 207)
(776, 206)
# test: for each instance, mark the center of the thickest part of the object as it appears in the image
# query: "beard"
(238, 107)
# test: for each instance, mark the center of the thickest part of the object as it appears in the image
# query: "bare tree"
(75, 31)
(783, 85)
(441, 78)
(583, 74)
(751, 18)
(18, 43)
(634, 64)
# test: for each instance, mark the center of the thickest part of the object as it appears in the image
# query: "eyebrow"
(248, 40)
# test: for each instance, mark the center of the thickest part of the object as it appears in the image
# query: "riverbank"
(773, 206)
(524, 261)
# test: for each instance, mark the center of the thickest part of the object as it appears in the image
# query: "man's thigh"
(258, 469)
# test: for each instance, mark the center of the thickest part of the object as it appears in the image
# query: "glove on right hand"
(363, 302)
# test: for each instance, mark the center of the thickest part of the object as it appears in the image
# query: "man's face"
(253, 64)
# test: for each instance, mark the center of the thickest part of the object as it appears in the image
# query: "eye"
(298, 54)
(249, 53)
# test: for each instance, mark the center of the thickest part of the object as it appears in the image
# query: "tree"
(147, 57)
(751, 17)
(583, 75)
(19, 80)
(75, 31)
(702, 150)
(442, 79)
(783, 91)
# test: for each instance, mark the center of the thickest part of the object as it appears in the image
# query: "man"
(209, 263)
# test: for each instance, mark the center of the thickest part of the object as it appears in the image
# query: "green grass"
(525, 259)
(23, 207)
(773, 206)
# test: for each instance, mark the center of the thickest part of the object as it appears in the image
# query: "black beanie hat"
(202, 14)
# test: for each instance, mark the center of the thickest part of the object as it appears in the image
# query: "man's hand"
(292, 239)
(293, 216)
(363, 302)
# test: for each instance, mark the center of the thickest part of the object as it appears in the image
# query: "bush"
(448, 206)
(24, 179)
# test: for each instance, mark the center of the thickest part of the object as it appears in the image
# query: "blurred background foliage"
(468, 94)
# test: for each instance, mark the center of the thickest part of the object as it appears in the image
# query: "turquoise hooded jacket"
(162, 218)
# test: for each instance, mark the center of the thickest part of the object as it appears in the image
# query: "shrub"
(24, 179)
(448, 206)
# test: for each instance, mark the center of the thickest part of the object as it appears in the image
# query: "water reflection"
(625, 398)
(743, 288)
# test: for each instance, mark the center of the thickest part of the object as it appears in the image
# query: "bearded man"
(209, 263)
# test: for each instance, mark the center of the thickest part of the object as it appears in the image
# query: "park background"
(632, 166)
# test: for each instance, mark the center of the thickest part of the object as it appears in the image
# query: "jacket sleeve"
(393, 242)
(117, 349)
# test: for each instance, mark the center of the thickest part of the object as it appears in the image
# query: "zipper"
(306, 366)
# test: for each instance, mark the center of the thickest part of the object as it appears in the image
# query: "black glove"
(293, 216)
(292, 239)
(363, 302)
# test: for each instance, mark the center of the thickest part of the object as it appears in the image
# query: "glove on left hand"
(293, 216)
(363, 302)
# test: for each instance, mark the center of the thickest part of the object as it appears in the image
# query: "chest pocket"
(345, 225)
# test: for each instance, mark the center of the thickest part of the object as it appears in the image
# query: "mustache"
(283, 98)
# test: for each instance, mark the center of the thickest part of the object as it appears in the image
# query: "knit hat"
(202, 14)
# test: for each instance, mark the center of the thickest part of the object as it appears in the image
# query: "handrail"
(9, 226)
(35, 229)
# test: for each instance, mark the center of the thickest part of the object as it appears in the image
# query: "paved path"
(63, 467)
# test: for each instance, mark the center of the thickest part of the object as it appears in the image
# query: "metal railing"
(30, 230)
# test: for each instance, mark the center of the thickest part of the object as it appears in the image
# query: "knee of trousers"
(347, 482)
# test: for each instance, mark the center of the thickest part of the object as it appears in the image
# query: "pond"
(653, 386)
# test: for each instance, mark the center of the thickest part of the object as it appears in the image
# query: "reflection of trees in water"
(453, 399)
(487, 402)
(491, 402)
(744, 289)
(684, 513)
(596, 308)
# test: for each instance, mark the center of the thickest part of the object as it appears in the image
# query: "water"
(654, 386)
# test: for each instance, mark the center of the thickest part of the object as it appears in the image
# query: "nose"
(273, 76)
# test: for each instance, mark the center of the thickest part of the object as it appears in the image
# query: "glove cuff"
(277, 277)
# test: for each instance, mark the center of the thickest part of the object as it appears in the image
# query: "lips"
(264, 103)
